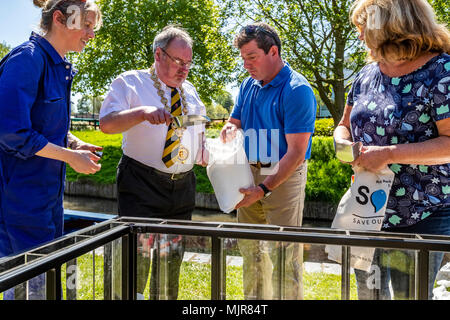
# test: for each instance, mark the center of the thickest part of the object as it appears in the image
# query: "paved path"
(331, 268)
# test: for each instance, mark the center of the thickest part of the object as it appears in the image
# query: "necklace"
(183, 153)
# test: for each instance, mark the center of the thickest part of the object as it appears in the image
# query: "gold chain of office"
(183, 153)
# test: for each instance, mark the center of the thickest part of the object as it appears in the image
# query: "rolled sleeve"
(19, 83)
(300, 110)
(116, 99)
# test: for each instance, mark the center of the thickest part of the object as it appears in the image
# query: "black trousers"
(146, 192)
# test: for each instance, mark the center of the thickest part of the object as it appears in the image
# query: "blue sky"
(17, 19)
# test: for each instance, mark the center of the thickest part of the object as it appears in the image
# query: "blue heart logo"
(378, 199)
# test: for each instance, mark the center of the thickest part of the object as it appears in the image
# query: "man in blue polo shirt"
(276, 109)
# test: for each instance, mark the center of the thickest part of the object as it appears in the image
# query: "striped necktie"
(172, 141)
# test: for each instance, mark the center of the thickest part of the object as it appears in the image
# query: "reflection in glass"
(172, 267)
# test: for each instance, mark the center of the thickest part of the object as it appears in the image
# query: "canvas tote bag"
(362, 207)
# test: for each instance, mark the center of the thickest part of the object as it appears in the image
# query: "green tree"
(225, 99)
(216, 111)
(442, 9)
(125, 43)
(317, 39)
(84, 104)
(4, 49)
(96, 104)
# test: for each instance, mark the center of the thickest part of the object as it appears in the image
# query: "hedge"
(328, 179)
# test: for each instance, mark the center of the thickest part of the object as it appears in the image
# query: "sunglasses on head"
(250, 29)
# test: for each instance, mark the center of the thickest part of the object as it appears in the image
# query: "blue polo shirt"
(283, 106)
(35, 84)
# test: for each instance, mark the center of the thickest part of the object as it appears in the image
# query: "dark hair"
(265, 36)
(50, 6)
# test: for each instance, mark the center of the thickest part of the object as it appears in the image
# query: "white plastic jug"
(228, 170)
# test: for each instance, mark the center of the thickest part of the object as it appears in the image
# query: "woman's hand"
(373, 158)
(83, 161)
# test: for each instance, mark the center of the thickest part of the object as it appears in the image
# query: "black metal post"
(345, 273)
(217, 270)
(421, 274)
(129, 266)
(93, 274)
(107, 271)
(53, 282)
(283, 269)
(279, 261)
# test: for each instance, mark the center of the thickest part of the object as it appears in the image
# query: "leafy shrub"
(328, 178)
(324, 127)
(203, 184)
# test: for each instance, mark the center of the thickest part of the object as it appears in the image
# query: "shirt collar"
(279, 78)
(51, 51)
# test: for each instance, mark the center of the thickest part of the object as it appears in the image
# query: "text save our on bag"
(362, 207)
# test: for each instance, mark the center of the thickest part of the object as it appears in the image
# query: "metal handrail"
(52, 255)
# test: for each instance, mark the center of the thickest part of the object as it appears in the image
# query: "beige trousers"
(273, 270)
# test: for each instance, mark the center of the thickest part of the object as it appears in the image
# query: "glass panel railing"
(34, 289)
(208, 261)
(390, 276)
(439, 269)
(82, 278)
(173, 267)
(323, 278)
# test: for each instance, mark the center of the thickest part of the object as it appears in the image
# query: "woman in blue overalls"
(35, 86)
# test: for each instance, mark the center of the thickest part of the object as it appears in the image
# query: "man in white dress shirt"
(154, 176)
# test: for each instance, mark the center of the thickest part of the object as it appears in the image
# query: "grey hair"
(169, 33)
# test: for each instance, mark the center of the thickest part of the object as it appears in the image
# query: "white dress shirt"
(145, 141)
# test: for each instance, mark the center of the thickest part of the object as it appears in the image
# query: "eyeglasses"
(179, 62)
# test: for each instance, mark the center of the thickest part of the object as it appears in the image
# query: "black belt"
(260, 165)
(171, 176)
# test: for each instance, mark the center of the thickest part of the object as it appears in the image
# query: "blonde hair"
(50, 6)
(399, 29)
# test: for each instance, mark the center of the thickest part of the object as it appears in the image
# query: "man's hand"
(228, 132)
(157, 115)
(251, 195)
(87, 146)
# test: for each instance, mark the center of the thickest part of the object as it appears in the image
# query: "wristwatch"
(266, 190)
